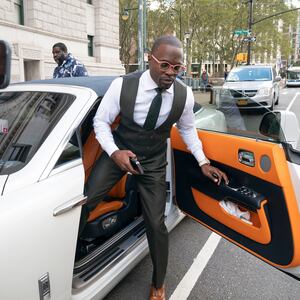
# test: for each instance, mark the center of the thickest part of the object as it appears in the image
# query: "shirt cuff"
(110, 149)
(204, 162)
(199, 155)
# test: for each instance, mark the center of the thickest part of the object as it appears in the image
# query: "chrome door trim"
(75, 202)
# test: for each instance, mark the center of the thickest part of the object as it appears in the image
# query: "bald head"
(166, 40)
(165, 60)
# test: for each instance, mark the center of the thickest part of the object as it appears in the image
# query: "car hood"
(247, 85)
(210, 119)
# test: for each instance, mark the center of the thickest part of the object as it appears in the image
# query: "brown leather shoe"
(158, 294)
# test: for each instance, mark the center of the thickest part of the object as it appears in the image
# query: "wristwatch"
(204, 162)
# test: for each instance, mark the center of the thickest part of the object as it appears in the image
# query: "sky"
(295, 3)
(153, 4)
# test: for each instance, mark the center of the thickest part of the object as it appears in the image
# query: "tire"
(272, 105)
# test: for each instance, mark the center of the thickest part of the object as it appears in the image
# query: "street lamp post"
(180, 21)
(141, 30)
(187, 38)
(250, 22)
(141, 35)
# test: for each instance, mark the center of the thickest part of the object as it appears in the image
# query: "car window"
(70, 153)
(250, 74)
(293, 74)
(26, 119)
(237, 112)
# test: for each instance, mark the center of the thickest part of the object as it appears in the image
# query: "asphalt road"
(231, 273)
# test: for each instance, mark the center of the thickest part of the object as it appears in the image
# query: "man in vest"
(149, 103)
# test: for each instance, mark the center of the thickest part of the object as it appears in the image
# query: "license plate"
(242, 102)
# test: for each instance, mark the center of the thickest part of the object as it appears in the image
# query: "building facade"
(90, 30)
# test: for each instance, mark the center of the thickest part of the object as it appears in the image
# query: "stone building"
(90, 30)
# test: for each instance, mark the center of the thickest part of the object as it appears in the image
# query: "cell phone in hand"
(136, 165)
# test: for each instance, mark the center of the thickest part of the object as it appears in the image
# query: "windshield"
(293, 74)
(250, 74)
(26, 119)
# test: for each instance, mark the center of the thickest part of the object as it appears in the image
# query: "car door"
(39, 233)
(264, 173)
(41, 201)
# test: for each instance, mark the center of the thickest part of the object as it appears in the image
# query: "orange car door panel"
(264, 190)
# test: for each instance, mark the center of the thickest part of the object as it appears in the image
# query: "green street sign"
(241, 32)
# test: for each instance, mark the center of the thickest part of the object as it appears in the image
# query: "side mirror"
(5, 61)
(282, 126)
(278, 78)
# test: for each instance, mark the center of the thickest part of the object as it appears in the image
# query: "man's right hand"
(122, 159)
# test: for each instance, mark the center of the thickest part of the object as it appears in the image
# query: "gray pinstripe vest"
(146, 144)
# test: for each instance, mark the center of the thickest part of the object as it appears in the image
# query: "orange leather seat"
(91, 152)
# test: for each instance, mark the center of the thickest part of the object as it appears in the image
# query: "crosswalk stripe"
(292, 102)
(189, 280)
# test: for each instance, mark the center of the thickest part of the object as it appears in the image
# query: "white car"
(47, 149)
(252, 86)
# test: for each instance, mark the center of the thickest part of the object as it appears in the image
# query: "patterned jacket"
(70, 67)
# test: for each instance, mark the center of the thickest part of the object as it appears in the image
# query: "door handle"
(75, 202)
(246, 157)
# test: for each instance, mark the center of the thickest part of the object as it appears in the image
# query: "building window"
(90, 45)
(89, 1)
(19, 11)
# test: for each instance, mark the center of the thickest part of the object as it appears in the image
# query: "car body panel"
(39, 243)
(3, 179)
(274, 235)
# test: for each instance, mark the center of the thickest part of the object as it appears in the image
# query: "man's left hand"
(215, 174)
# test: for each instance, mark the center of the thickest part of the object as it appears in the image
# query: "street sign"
(249, 39)
(241, 57)
(241, 32)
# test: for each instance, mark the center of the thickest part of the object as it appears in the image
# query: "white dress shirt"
(109, 109)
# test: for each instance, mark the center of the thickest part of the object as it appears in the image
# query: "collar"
(148, 83)
(69, 58)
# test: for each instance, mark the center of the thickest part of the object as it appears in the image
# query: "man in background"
(67, 65)
(204, 80)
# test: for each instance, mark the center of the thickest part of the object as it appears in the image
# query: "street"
(204, 266)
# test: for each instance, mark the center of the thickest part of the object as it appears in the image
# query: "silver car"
(251, 87)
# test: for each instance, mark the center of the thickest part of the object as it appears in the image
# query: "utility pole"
(141, 35)
(250, 23)
(145, 33)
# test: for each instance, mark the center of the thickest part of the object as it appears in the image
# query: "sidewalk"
(202, 98)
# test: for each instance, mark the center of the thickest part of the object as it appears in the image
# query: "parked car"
(47, 149)
(253, 86)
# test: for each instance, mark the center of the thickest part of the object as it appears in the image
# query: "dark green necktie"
(153, 112)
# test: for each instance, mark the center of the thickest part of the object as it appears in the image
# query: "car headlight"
(225, 92)
(265, 91)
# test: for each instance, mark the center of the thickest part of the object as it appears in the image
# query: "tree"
(211, 25)
(128, 33)
(270, 38)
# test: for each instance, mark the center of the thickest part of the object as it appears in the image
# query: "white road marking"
(292, 102)
(189, 280)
